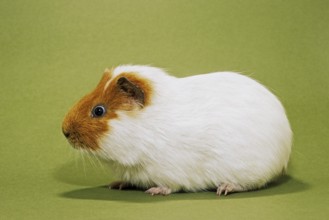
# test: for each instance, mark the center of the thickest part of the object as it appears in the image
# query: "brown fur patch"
(119, 100)
(84, 130)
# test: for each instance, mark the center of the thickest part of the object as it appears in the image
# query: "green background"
(53, 52)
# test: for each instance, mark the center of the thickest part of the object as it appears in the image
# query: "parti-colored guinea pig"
(221, 130)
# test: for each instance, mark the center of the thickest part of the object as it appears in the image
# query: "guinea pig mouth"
(76, 144)
(79, 141)
(79, 144)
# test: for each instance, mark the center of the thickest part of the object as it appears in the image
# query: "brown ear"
(132, 90)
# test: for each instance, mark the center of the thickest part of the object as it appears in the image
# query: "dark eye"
(98, 111)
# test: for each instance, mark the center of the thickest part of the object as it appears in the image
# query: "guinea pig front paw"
(158, 191)
(120, 185)
(228, 188)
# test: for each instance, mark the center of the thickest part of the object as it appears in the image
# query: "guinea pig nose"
(66, 133)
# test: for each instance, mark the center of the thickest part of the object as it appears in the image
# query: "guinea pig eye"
(98, 111)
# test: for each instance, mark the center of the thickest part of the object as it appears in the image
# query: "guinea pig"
(220, 131)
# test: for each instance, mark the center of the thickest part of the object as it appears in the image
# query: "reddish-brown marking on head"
(128, 92)
(125, 92)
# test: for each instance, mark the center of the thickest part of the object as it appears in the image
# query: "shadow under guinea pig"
(93, 175)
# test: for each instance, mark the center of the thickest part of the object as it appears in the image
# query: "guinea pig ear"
(132, 90)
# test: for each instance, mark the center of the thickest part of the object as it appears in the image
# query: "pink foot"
(227, 188)
(158, 191)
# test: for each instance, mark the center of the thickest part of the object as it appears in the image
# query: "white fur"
(200, 132)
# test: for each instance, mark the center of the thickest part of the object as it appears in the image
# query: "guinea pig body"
(220, 130)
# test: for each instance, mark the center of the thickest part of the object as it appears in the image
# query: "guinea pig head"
(89, 120)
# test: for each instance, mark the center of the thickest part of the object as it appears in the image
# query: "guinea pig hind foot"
(226, 188)
(120, 185)
(159, 191)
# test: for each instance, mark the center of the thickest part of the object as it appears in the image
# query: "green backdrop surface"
(53, 52)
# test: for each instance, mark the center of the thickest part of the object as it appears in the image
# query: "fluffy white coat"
(200, 132)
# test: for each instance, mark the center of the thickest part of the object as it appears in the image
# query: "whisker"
(98, 163)
(83, 162)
